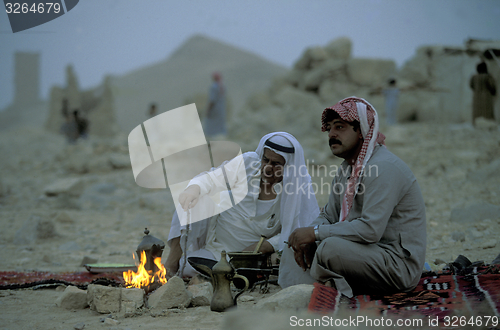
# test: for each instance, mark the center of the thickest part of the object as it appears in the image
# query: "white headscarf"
(299, 206)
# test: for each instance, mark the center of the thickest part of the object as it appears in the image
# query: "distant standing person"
(82, 125)
(215, 121)
(391, 94)
(484, 88)
(152, 110)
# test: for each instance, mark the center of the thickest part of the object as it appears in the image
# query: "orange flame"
(143, 278)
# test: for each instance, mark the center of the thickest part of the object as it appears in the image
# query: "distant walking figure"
(152, 110)
(82, 125)
(391, 94)
(484, 88)
(215, 121)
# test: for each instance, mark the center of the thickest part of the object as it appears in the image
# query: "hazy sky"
(102, 37)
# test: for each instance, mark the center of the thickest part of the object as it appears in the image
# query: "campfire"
(151, 274)
(148, 279)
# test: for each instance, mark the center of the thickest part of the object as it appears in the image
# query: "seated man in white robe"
(279, 199)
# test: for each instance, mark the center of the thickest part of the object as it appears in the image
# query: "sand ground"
(106, 220)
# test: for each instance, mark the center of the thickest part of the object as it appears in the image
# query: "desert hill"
(186, 74)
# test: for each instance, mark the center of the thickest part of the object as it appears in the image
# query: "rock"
(45, 229)
(132, 299)
(68, 186)
(313, 79)
(173, 294)
(246, 298)
(339, 48)
(104, 299)
(489, 244)
(332, 91)
(476, 234)
(88, 260)
(310, 58)
(63, 217)
(458, 236)
(197, 279)
(102, 319)
(79, 326)
(72, 298)
(295, 297)
(474, 213)
(293, 78)
(485, 124)
(201, 294)
(330, 69)
(371, 72)
(439, 261)
(110, 321)
(119, 161)
(416, 69)
(419, 105)
(483, 225)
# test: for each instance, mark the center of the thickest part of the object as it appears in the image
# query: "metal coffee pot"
(222, 274)
(153, 248)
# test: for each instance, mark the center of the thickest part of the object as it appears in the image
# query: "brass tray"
(109, 268)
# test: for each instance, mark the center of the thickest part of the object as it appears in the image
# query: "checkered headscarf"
(357, 109)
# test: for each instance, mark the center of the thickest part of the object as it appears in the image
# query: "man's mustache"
(333, 141)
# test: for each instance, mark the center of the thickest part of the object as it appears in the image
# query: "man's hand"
(304, 257)
(300, 236)
(303, 243)
(189, 197)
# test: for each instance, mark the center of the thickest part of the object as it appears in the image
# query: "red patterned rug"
(19, 280)
(451, 301)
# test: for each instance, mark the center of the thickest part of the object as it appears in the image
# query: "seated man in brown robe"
(371, 236)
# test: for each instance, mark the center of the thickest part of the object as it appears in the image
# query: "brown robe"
(484, 89)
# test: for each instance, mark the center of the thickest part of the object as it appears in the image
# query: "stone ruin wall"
(96, 105)
(294, 103)
(434, 87)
